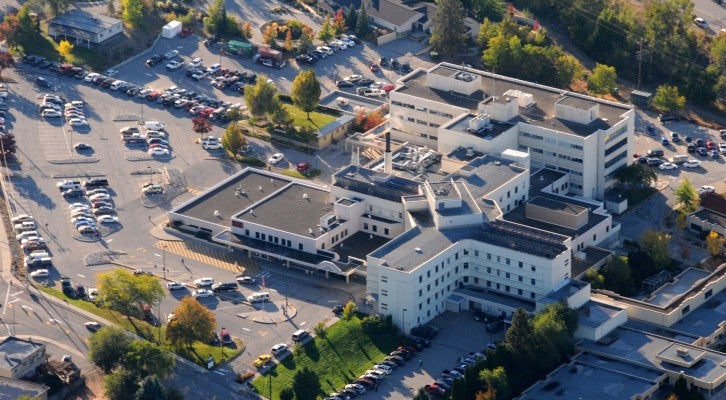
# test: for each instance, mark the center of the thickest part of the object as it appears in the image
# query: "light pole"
(287, 288)
(403, 320)
(151, 175)
(158, 319)
(163, 261)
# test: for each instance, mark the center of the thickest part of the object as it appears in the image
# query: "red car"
(206, 112)
(375, 68)
(710, 145)
(388, 87)
(303, 167)
(435, 389)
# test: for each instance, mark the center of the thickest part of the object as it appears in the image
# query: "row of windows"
(569, 158)
(611, 149)
(374, 228)
(273, 239)
(425, 136)
(616, 134)
(422, 109)
(566, 170)
(616, 159)
(560, 143)
(420, 122)
(530, 135)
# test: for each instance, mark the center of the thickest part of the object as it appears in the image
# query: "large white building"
(448, 106)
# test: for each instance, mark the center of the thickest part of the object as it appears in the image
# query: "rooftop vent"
(682, 352)
(310, 231)
(216, 213)
(252, 211)
(464, 76)
(259, 188)
(305, 196)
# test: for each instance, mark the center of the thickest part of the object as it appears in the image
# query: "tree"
(65, 48)
(201, 125)
(351, 18)
(216, 22)
(306, 39)
(306, 91)
(595, 278)
(269, 36)
(107, 347)
(58, 7)
(320, 329)
(247, 31)
(636, 175)
(602, 79)
(349, 310)
(363, 25)
(327, 31)
(491, 9)
(668, 99)
(448, 28)
(262, 98)
(657, 245)
(714, 243)
(193, 322)
(233, 139)
(372, 120)
(145, 359)
(133, 12)
(495, 380)
(120, 385)
(687, 196)
(617, 276)
(151, 389)
(6, 61)
(339, 22)
(127, 293)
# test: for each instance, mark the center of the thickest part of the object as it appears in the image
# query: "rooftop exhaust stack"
(388, 157)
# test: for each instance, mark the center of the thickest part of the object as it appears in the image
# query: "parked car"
(262, 360)
(175, 285)
(279, 348)
(202, 293)
(275, 158)
(203, 282)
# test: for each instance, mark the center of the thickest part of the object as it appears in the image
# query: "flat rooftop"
(518, 215)
(540, 113)
(294, 208)
(490, 173)
(590, 377)
(593, 314)
(232, 195)
(358, 245)
(349, 102)
(496, 297)
(658, 352)
(706, 319)
(542, 178)
(14, 351)
(593, 255)
(462, 126)
(85, 21)
(13, 389)
(419, 244)
(368, 181)
(681, 284)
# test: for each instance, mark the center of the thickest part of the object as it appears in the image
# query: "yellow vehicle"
(262, 360)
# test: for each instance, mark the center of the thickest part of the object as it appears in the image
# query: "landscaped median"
(199, 353)
(329, 361)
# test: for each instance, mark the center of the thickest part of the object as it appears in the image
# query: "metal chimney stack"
(387, 156)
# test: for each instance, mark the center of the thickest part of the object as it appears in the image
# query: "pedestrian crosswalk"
(194, 191)
(209, 254)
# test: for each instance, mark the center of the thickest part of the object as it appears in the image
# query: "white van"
(154, 126)
(115, 85)
(300, 335)
(679, 159)
(259, 297)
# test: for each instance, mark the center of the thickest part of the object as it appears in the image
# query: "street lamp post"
(158, 319)
(403, 320)
(163, 261)
(287, 288)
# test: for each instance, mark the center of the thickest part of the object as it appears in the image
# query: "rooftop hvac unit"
(469, 151)
(480, 122)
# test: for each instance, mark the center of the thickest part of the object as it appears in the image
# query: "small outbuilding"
(85, 27)
(171, 29)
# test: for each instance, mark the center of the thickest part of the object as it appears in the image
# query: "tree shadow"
(289, 362)
(312, 351)
(306, 385)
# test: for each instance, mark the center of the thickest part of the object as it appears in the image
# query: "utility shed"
(171, 29)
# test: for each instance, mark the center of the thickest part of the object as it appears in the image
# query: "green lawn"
(328, 363)
(300, 118)
(199, 353)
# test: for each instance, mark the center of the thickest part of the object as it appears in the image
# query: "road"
(712, 12)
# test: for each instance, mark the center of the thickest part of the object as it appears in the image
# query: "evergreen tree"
(151, 389)
(216, 22)
(351, 19)
(363, 24)
(448, 29)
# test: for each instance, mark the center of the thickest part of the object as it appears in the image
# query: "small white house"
(171, 29)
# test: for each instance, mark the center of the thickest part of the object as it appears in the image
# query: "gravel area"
(101, 257)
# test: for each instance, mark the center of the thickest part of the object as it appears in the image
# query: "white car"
(706, 189)
(93, 326)
(326, 50)
(701, 23)
(175, 285)
(51, 114)
(202, 293)
(692, 164)
(22, 218)
(275, 158)
(155, 135)
(99, 196)
(384, 368)
(92, 294)
(77, 122)
(90, 77)
(156, 151)
(195, 63)
(202, 282)
(214, 68)
(171, 54)
(107, 219)
(174, 65)
(278, 349)
(75, 206)
(27, 234)
(40, 273)
(667, 166)
(353, 78)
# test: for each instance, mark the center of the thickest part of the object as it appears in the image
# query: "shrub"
(349, 310)
(320, 329)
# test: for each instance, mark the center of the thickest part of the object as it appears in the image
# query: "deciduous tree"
(233, 139)
(133, 12)
(120, 384)
(65, 48)
(686, 196)
(145, 359)
(127, 293)
(714, 243)
(339, 23)
(151, 389)
(668, 99)
(247, 32)
(448, 29)
(201, 125)
(306, 39)
(595, 278)
(193, 322)
(492, 9)
(58, 7)
(657, 245)
(327, 31)
(7, 146)
(262, 98)
(636, 175)
(602, 79)
(495, 381)
(306, 91)
(108, 346)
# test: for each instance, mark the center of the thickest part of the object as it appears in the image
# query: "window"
(531, 295)
(489, 256)
(499, 259)
(428, 274)
(436, 268)
(384, 279)
(534, 269)
(708, 293)
(507, 275)
(520, 279)
(507, 261)
(299, 246)
(428, 287)
(456, 256)
(365, 226)
(420, 292)
(506, 288)
(384, 292)
(263, 237)
(257, 235)
(476, 253)
(532, 282)
(247, 232)
(420, 306)
(375, 228)
(686, 309)
(420, 279)
(385, 231)
(456, 269)
(466, 265)
(519, 292)
(520, 264)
